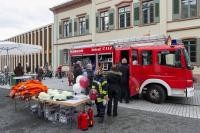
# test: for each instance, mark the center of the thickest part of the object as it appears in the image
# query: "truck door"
(121, 53)
(117, 56)
(170, 68)
(134, 76)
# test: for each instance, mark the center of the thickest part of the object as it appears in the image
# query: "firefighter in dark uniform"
(100, 84)
(124, 84)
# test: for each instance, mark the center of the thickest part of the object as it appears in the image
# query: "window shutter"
(70, 27)
(61, 57)
(198, 7)
(87, 24)
(97, 22)
(176, 9)
(157, 10)
(136, 13)
(75, 26)
(111, 19)
(197, 51)
(60, 30)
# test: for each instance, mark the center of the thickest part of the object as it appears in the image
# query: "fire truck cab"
(157, 71)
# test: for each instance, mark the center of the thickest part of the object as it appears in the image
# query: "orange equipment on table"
(26, 90)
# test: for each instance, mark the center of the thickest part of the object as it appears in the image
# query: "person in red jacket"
(60, 72)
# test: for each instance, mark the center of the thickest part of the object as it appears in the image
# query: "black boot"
(97, 115)
(127, 101)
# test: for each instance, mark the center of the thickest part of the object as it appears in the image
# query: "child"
(70, 76)
(100, 84)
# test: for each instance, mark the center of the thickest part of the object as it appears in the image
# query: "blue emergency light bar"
(174, 42)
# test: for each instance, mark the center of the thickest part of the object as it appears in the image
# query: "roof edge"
(66, 4)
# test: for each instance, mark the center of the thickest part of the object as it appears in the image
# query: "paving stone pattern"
(185, 107)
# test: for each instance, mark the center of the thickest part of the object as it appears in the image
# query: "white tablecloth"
(22, 77)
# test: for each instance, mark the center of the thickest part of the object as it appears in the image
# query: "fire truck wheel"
(156, 94)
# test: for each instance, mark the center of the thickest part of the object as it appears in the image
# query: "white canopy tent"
(11, 48)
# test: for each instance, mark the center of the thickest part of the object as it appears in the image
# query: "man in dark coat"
(28, 68)
(124, 69)
(36, 69)
(18, 72)
(114, 78)
(77, 70)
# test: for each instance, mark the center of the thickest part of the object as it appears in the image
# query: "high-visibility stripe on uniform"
(104, 83)
(100, 89)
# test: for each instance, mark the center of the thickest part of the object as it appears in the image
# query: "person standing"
(18, 72)
(28, 68)
(114, 79)
(77, 70)
(36, 69)
(90, 76)
(60, 72)
(70, 76)
(40, 74)
(100, 85)
(124, 69)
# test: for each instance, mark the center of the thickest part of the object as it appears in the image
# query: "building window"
(82, 25)
(189, 8)
(65, 56)
(104, 21)
(190, 45)
(124, 17)
(135, 57)
(148, 12)
(146, 58)
(66, 28)
(184, 9)
(170, 58)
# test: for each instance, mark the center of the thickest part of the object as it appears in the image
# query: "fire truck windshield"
(187, 59)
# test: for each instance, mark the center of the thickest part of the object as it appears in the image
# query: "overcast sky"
(19, 16)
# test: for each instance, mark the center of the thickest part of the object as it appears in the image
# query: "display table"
(47, 106)
(69, 103)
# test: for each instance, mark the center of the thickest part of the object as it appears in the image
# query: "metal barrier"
(5, 79)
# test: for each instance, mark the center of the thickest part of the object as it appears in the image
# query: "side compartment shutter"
(176, 9)
(157, 10)
(136, 14)
(111, 19)
(198, 51)
(97, 22)
(75, 27)
(60, 30)
(70, 27)
(87, 24)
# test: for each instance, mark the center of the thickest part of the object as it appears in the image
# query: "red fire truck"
(156, 71)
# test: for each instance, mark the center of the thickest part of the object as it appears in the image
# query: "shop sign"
(93, 50)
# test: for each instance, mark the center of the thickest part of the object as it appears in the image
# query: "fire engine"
(158, 68)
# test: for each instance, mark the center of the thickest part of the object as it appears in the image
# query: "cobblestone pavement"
(185, 107)
(127, 121)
